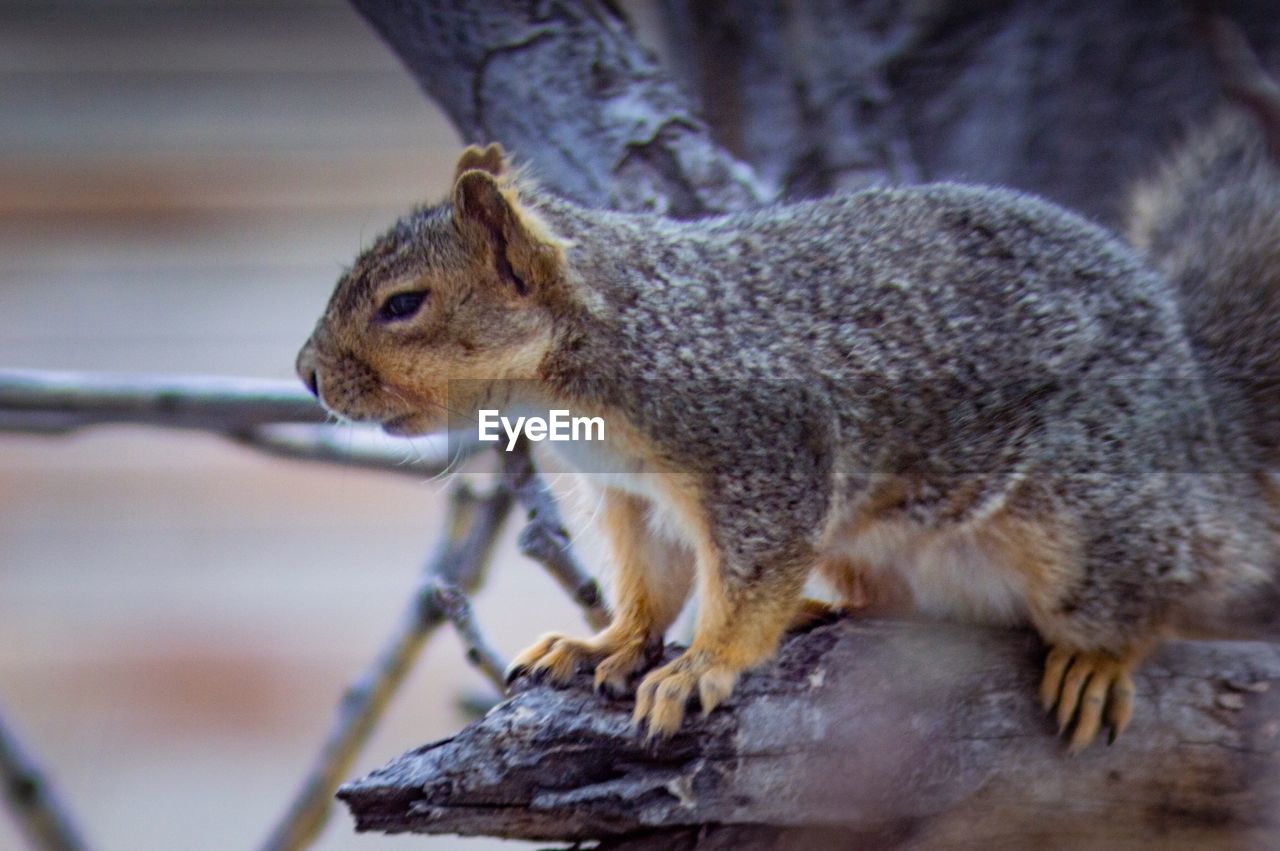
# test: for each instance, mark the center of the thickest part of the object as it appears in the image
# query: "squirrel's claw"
(553, 655)
(513, 673)
(664, 694)
(558, 658)
(1051, 685)
(1084, 687)
(614, 671)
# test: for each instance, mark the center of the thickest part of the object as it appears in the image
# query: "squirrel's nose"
(307, 370)
(312, 379)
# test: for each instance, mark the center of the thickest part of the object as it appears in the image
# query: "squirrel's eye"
(402, 305)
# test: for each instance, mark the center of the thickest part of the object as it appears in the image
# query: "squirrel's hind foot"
(812, 613)
(1085, 686)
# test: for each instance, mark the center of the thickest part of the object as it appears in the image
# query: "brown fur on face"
(491, 275)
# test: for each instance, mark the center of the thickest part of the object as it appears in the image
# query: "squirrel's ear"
(491, 159)
(492, 219)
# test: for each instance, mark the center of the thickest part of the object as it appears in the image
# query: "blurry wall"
(180, 184)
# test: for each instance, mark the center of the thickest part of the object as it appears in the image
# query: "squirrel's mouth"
(404, 425)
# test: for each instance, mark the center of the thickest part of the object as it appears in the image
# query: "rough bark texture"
(867, 734)
(567, 87)
(1067, 99)
(1064, 98)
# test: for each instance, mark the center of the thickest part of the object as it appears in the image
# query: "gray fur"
(976, 339)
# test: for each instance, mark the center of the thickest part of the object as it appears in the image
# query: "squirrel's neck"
(599, 247)
(606, 250)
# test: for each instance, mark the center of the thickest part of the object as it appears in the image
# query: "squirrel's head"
(468, 289)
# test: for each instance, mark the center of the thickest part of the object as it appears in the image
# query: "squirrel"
(963, 398)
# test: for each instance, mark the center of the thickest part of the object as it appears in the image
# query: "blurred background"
(180, 185)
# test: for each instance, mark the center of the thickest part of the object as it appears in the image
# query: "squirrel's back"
(897, 282)
(939, 327)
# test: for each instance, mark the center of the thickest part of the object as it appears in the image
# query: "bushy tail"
(1210, 220)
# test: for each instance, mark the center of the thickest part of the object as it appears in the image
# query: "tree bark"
(866, 734)
(1069, 100)
(566, 86)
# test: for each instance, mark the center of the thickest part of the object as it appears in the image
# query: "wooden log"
(866, 734)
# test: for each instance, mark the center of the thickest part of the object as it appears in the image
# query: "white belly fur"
(605, 467)
(951, 574)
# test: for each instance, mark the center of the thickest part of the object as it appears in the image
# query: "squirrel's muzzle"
(306, 366)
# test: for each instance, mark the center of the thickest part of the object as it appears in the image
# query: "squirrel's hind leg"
(652, 583)
(1099, 623)
(812, 613)
(860, 589)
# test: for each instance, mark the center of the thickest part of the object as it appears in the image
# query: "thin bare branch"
(472, 528)
(40, 815)
(480, 653)
(544, 538)
(69, 400)
(275, 417)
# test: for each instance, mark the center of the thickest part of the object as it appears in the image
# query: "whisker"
(387, 388)
(595, 511)
(453, 463)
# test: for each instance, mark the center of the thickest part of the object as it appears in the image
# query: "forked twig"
(480, 653)
(281, 419)
(472, 528)
(276, 417)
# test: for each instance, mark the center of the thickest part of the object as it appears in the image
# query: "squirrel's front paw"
(619, 654)
(1089, 682)
(554, 656)
(663, 694)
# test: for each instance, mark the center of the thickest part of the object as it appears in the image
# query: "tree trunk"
(566, 86)
(1070, 100)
